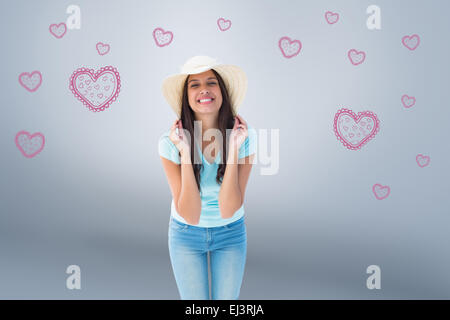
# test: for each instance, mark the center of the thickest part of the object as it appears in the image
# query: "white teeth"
(204, 100)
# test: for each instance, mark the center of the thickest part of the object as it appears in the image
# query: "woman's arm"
(189, 201)
(183, 186)
(232, 190)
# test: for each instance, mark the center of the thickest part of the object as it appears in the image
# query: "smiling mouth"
(205, 101)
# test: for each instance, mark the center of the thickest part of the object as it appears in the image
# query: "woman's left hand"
(239, 133)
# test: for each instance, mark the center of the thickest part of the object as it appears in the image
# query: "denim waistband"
(231, 224)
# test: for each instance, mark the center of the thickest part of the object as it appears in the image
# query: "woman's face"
(204, 86)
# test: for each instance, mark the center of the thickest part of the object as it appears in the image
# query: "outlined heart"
(422, 161)
(102, 48)
(354, 131)
(289, 48)
(97, 90)
(331, 17)
(162, 38)
(411, 42)
(408, 101)
(223, 24)
(381, 192)
(30, 81)
(356, 57)
(58, 30)
(29, 145)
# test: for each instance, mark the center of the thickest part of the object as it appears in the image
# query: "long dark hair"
(226, 121)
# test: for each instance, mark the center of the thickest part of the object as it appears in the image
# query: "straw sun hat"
(234, 77)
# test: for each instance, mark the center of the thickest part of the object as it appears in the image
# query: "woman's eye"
(195, 85)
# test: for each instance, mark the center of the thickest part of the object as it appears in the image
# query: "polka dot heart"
(356, 57)
(331, 17)
(102, 48)
(422, 160)
(58, 30)
(408, 101)
(29, 145)
(289, 48)
(162, 38)
(381, 192)
(30, 81)
(411, 42)
(223, 24)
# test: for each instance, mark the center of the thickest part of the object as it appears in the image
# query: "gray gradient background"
(97, 196)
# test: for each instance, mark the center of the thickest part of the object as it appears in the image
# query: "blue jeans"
(227, 247)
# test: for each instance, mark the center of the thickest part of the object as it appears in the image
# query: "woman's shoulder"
(164, 140)
(167, 148)
(252, 135)
(165, 136)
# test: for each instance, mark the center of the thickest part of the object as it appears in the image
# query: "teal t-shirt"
(210, 213)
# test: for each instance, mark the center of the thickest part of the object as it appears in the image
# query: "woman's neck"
(208, 122)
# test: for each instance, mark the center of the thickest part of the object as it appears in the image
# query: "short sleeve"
(167, 149)
(248, 147)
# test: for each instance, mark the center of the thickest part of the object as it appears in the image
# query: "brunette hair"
(226, 121)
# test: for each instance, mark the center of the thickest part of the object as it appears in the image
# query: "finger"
(238, 120)
(236, 123)
(242, 120)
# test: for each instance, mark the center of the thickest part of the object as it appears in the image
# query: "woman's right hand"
(179, 140)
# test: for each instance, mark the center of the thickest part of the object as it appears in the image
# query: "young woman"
(207, 212)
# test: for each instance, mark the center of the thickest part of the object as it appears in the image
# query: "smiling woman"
(211, 100)
(207, 211)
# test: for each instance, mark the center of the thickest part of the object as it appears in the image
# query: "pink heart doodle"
(223, 24)
(102, 48)
(58, 30)
(99, 97)
(29, 145)
(381, 192)
(331, 17)
(32, 81)
(408, 101)
(162, 38)
(411, 42)
(422, 160)
(288, 47)
(353, 130)
(356, 57)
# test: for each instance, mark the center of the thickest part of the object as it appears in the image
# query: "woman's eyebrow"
(199, 80)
